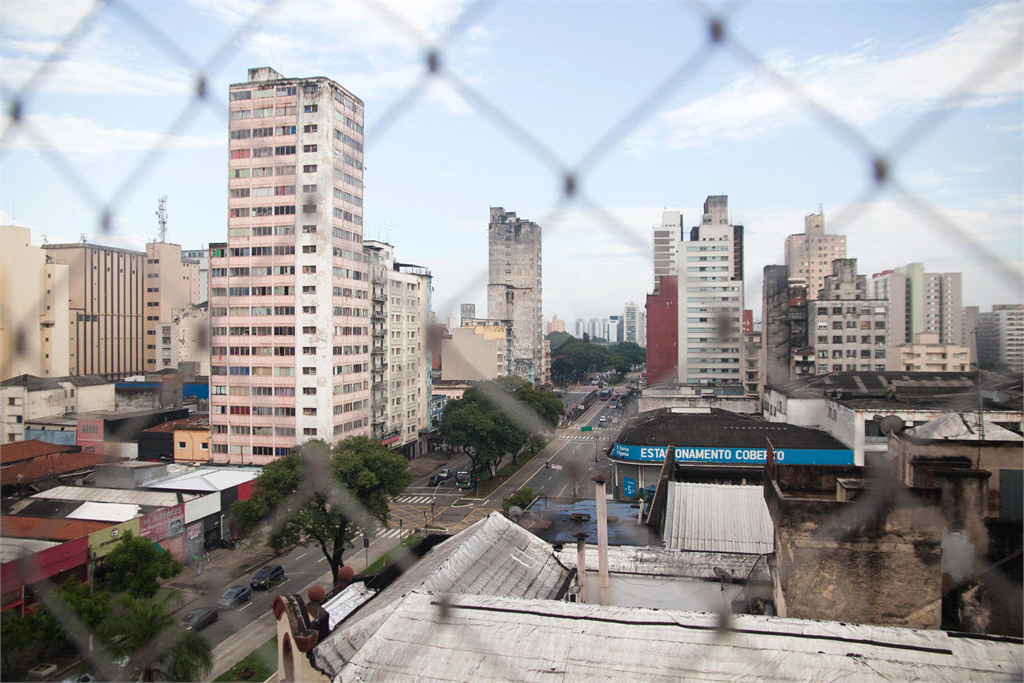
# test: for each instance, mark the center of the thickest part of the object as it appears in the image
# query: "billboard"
(103, 541)
(734, 456)
(163, 524)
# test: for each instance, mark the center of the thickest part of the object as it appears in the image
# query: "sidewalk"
(224, 567)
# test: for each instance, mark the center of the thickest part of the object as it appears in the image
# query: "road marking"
(247, 604)
(301, 556)
(322, 559)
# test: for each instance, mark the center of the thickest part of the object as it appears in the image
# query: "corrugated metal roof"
(668, 562)
(206, 479)
(132, 497)
(105, 512)
(720, 429)
(498, 639)
(962, 427)
(718, 518)
(346, 602)
(15, 548)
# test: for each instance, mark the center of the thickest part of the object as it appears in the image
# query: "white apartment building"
(202, 257)
(400, 354)
(1001, 336)
(810, 255)
(847, 329)
(920, 301)
(172, 283)
(710, 303)
(667, 238)
(631, 323)
(289, 290)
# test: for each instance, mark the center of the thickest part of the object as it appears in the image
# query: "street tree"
(337, 496)
(135, 565)
(278, 480)
(488, 433)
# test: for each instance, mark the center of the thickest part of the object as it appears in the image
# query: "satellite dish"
(515, 512)
(891, 424)
(724, 576)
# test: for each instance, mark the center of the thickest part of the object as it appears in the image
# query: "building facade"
(478, 351)
(920, 301)
(289, 290)
(34, 325)
(928, 354)
(400, 354)
(514, 289)
(809, 255)
(1001, 337)
(848, 329)
(710, 303)
(667, 238)
(555, 325)
(202, 257)
(631, 323)
(171, 284)
(107, 309)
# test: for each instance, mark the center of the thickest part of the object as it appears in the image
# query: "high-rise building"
(514, 288)
(922, 302)
(667, 238)
(784, 336)
(202, 257)
(969, 326)
(711, 285)
(580, 328)
(848, 329)
(555, 325)
(289, 290)
(615, 329)
(631, 323)
(399, 354)
(107, 309)
(1001, 337)
(467, 311)
(171, 284)
(34, 330)
(663, 331)
(642, 327)
(809, 255)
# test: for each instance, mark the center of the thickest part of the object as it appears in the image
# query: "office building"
(631, 323)
(784, 338)
(34, 325)
(106, 308)
(580, 328)
(514, 288)
(172, 284)
(667, 238)
(616, 329)
(289, 290)
(400, 356)
(920, 301)
(1001, 337)
(710, 301)
(848, 328)
(809, 255)
(202, 257)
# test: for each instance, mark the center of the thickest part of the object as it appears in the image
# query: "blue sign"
(734, 456)
(628, 487)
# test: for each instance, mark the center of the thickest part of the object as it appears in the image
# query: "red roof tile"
(32, 448)
(14, 526)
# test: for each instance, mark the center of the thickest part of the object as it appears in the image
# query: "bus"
(466, 480)
(605, 393)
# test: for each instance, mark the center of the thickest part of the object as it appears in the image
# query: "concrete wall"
(469, 356)
(833, 562)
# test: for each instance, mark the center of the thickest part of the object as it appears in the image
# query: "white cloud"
(32, 18)
(70, 134)
(478, 33)
(858, 86)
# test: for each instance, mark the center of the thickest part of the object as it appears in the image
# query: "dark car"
(446, 474)
(234, 596)
(435, 480)
(267, 576)
(199, 619)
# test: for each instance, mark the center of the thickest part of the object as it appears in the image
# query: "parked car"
(199, 619)
(435, 480)
(234, 596)
(267, 576)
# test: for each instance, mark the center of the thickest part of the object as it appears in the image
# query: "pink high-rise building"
(289, 290)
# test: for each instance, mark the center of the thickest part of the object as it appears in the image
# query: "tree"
(364, 469)
(487, 432)
(135, 565)
(521, 498)
(278, 480)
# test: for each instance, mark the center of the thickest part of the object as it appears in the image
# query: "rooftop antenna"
(821, 209)
(85, 237)
(161, 218)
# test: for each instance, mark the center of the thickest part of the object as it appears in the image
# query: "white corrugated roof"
(718, 518)
(962, 427)
(130, 496)
(498, 639)
(13, 548)
(105, 512)
(346, 602)
(206, 479)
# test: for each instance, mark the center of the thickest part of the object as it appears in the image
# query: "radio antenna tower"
(161, 218)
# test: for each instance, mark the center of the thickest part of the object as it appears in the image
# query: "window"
(308, 350)
(308, 148)
(309, 431)
(309, 411)
(308, 269)
(309, 370)
(309, 249)
(837, 339)
(309, 128)
(309, 168)
(308, 109)
(309, 228)
(837, 325)
(309, 289)
(309, 309)
(284, 210)
(309, 391)
(284, 150)
(309, 188)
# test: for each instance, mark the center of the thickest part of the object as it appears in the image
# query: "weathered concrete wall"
(869, 561)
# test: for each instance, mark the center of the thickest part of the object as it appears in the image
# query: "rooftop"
(98, 495)
(46, 528)
(961, 427)
(206, 479)
(199, 423)
(31, 448)
(15, 548)
(718, 518)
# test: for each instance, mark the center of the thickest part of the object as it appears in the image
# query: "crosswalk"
(393, 533)
(414, 499)
(579, 437)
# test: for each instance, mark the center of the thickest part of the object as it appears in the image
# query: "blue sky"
(566, 73)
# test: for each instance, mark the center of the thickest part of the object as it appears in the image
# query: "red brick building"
(663, 331)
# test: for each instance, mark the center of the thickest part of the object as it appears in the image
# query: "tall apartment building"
(202, 257)
(667, 238)
(710, 302)
(172, 284)
(579, 328)
(34, 331)
(784, 335)
(400, 355)
(616, 329)
(920, 301)
(642, 328)
(1001, 337)
(631, 323)
(752, 362)
(290, 289)
(514, 288)
(848, 328)
(810, 255)
(555, 325)
(663, 331)
(106, 308)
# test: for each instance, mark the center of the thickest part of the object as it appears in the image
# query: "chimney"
(581, 565)
(602, 538)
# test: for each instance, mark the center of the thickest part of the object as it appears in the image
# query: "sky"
(541, 84)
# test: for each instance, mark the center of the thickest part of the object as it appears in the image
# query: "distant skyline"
(557, 70)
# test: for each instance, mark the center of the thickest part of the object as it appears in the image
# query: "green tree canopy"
(136, 564)
(329, 507)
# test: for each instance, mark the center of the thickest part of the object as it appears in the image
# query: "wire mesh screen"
(726, 82)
